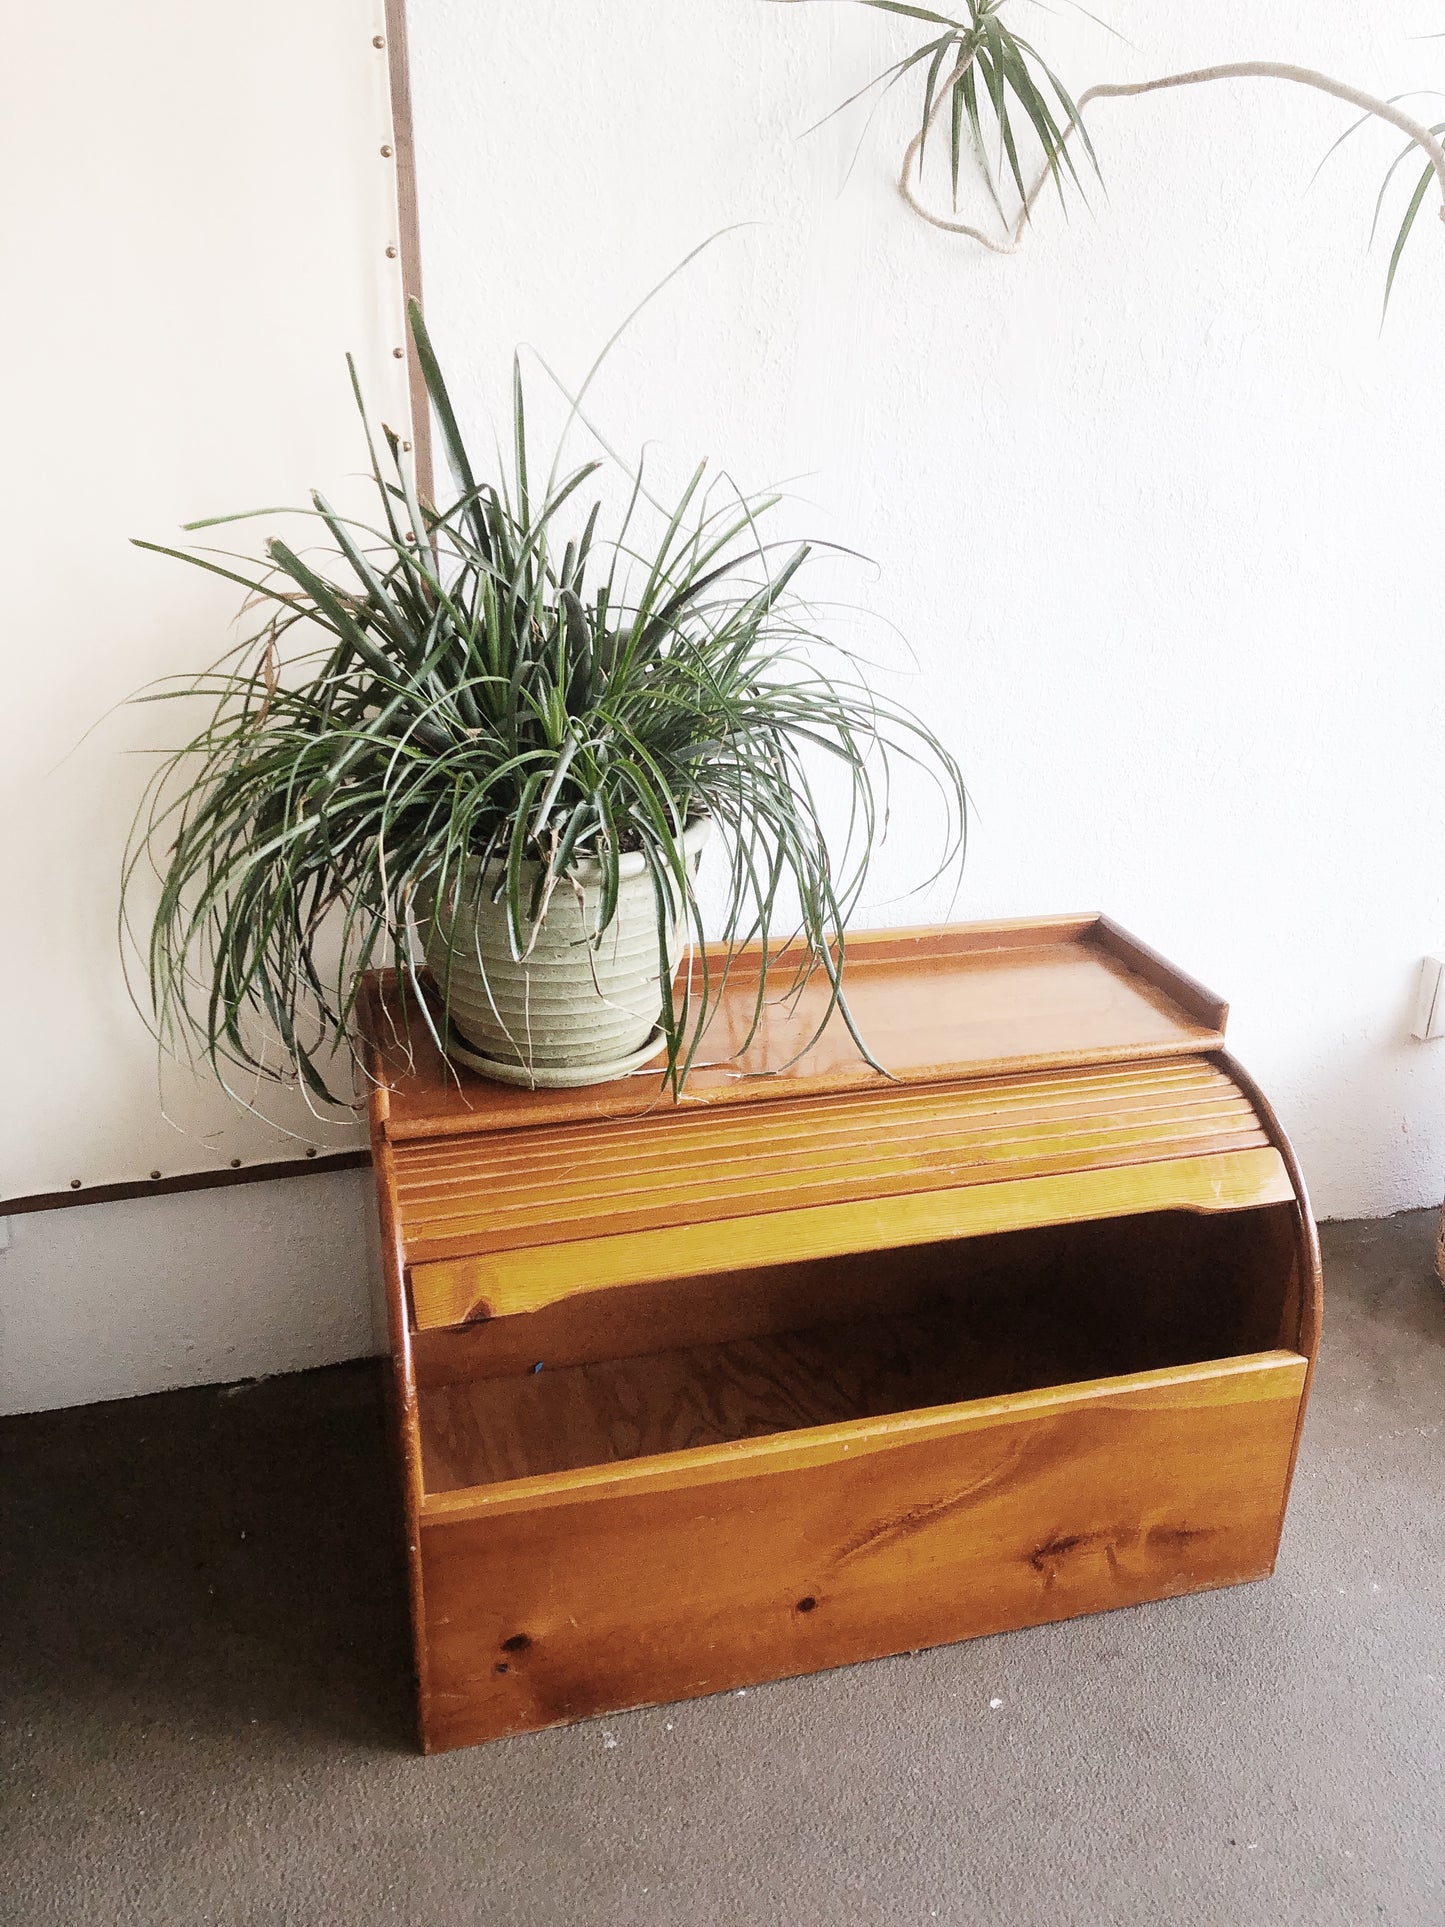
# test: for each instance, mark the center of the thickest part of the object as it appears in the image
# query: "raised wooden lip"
(1253, 1374)
(1199, 1021)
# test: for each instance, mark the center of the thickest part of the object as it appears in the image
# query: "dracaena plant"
(997, 92)
(991, 84)
(501, 680)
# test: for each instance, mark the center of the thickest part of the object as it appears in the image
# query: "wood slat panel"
(464, 1197)
(552, 1211)
(999, 1104)
(506, 1283)
(742, 1189)
(554, 1598)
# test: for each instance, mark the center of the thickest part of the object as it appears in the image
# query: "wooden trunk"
(816, 1365)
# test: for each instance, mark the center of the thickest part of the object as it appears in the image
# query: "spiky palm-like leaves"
(992, 80)
(485, 689)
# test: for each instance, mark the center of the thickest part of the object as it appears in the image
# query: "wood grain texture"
(707, 1394)
(673, 1312)
(1307, 1282)
(820, 1345)
(955, 1001)
(1182, 1285)
(552, 1599)
(1186, 992)
(836, 1366)
(403, 1422)
(457, 1196)
(505, 1284)
(408, 232)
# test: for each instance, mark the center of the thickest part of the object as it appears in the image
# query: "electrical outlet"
(1430, 1001)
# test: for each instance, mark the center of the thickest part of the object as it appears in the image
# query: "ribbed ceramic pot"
(573, 1011)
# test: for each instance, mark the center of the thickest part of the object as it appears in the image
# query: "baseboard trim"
(185, 1181)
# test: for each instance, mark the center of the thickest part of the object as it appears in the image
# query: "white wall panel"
(199, 1288)
(1153, 501)
(193, 234)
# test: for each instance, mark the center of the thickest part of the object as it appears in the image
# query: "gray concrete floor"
(205, 1715)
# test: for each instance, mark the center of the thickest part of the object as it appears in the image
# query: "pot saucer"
(554, 1077)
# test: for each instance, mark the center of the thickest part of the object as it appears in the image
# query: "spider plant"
(497, 683)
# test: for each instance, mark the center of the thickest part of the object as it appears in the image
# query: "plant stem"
(1012, 242)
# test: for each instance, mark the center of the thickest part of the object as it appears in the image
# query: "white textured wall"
(201, 1287)
(1154, 503)
(193, 233)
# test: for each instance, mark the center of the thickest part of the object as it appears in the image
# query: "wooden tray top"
(935, 1005)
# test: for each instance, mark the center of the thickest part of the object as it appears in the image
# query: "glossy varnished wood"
(612, 1410)
(554, 1598)
(602, 1413)
(401, 1391)
(1172, 1286)
(496, 1224)
(946, 1329)
(511, 1283)
(963, 1000)
(496, 1193)
(833, 1364)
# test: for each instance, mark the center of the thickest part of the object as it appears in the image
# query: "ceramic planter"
(577, 1009)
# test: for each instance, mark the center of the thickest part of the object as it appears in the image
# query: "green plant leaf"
(1416, 202)
(441, 698)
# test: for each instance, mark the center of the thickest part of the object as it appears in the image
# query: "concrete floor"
(205, 1716)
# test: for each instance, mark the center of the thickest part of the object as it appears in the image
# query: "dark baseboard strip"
(186, 1181)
